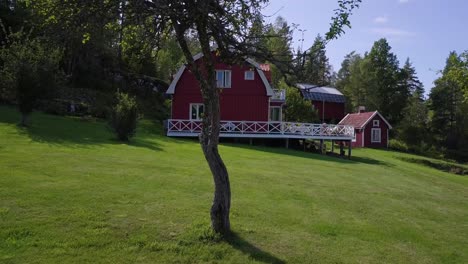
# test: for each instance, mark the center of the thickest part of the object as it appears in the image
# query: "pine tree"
(317, 68)
(413, 127)
(344, 73)
(446, 103)
(278, 43)
(385, 94)
(411, 81)
(350, 68)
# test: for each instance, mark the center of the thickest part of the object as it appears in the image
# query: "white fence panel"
(264, 128)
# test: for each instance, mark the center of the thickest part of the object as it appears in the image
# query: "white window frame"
(198, 111)
(379, 131)
(226, 82)
(376, 123)
(280, 114)
(249, 75)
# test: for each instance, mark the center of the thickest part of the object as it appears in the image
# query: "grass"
(69, 193)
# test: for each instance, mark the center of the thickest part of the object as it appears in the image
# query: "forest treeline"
(82, 52)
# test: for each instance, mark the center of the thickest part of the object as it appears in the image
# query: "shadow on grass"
(356, 159)
(252, 251)
(439, 165)
(78, 132)
(309, 155)
(9, 115)
(81, 133)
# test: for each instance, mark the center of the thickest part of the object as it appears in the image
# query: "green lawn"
(69, 193)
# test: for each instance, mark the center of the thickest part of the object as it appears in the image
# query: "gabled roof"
(360, 120)
(269, 90)
(326, 94)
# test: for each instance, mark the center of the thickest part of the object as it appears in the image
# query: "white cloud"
(403, 1)
(391, 32)
(381, 19)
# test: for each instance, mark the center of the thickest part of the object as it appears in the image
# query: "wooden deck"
(254, 129)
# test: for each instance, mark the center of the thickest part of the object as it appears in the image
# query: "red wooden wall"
(334, 112)
(245, 100)
(358, 142)
(368, 135)
(383, 134)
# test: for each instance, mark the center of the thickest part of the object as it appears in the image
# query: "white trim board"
(363, 137)
(171, 89)
(373, 115)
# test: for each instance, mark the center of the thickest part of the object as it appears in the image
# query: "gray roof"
(316, 93)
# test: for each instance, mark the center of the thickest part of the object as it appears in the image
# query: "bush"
(124, 116)
(298, 109)
(398, 145)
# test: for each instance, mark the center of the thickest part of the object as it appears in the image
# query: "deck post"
(321, 146)
(341, 149)
(349, 149)
(251, 141)
(332, 146)
(287, 143)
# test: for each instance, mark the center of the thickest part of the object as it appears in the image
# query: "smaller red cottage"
(371, 129)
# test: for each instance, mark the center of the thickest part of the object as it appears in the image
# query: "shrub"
(298, 109)
(398, 145)
(123, 116)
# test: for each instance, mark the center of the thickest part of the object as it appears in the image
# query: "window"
(196, 111)
(376, 133)
(223, 79)
(275, 114)
(249, 75)
(376, 123)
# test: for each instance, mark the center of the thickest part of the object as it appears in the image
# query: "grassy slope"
(69, 193)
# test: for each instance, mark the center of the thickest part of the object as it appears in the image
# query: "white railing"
(279, 95)
(281, 129)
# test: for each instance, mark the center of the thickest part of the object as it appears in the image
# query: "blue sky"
(423, 30)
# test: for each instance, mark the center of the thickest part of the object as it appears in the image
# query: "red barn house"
(329, 102)
(249, 106)
(371, 129)
(246, 96)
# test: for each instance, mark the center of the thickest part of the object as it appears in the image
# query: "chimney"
(266, 70)
(361, 109)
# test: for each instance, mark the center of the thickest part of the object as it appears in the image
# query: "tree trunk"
(209, 137)
(222, 195)
(24, 119)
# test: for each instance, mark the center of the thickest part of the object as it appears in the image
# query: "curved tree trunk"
(209, 137)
